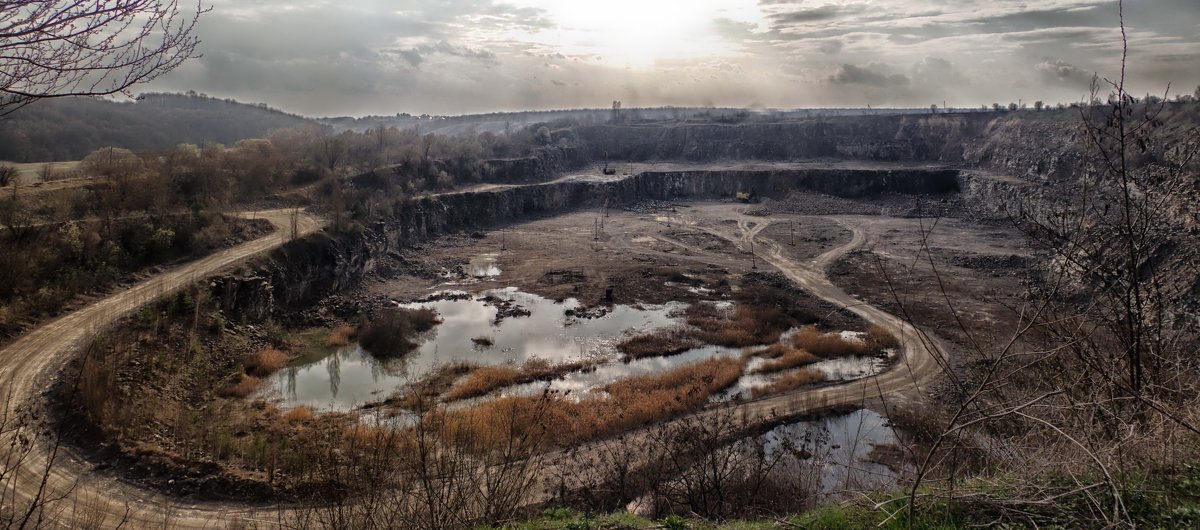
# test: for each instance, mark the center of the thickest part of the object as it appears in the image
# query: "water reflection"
(350, 376)
(841, 448)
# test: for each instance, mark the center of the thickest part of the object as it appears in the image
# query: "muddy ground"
(638, 253)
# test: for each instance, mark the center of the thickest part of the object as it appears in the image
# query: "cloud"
(816, 14)
(1061, 72)
(871, 75)
(938, 71)
(417, 55)
(455, 56)
(831, 46)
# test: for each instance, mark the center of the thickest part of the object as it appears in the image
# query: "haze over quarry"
(463, 56)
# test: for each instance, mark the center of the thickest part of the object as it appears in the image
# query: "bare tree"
(56, 48)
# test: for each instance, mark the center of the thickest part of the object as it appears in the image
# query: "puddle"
(483, 266)
(849, 368)
(350, 376)
(841, 448)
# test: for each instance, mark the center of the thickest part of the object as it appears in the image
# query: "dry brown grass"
(660, 343)
(744, 326)
(784, 357)
(790, 381)
(878, 338)
(246, 385)
(486, 379)
(827, 344)
(265, 362)
(628, 403)
(341, 336)
(425, 392)
(301, 414)
(482, 381)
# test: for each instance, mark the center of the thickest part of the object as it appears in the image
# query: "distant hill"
(70, 128)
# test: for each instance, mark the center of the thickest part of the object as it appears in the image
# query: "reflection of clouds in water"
(351, 376)
(483, 266)
(848, 368)
(579, 382)
(841, 448)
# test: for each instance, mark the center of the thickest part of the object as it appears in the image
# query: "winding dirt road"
(918, 365)
(32, 359)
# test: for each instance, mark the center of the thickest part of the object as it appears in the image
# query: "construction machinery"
(746, 196)
(608, 170)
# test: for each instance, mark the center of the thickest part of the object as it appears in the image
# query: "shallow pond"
(350, 376)
(841, 448)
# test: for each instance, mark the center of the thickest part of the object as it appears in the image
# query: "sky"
(360, 57)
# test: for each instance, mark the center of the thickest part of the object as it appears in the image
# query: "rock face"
(1020, 144)
(1032, 152)
(301, 272)
(543, 165)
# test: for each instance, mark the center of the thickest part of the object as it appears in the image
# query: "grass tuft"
(341, 336)
(790, 381)
(265, 362)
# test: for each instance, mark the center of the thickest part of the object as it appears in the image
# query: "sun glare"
(639, 34)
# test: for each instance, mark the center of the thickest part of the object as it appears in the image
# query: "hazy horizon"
(362, 57)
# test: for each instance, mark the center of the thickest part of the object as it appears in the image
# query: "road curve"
(28, 361)
(917, 367)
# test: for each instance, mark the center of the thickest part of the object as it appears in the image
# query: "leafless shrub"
(713, 465)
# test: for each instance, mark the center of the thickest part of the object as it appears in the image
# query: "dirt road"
(920, 353)
(31, 360)
(34, 357)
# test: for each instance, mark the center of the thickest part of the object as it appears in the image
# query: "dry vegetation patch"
(341, 336)
(782, 357)
(660, 343)
(626, 404)
(243, 387)
(266, 361)
(745, 325)
(827, 344)
(789, 381)
(484, 380)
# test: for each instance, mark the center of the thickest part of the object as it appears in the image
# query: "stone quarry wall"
(1026, 144)
(544, 164)
(301, 272)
